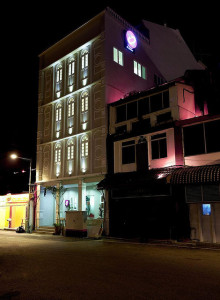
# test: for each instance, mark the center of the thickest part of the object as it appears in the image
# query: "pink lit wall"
(120, 80)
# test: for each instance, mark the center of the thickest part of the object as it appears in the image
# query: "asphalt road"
(34, 266)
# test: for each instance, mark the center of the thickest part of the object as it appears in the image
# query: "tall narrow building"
(102, 61)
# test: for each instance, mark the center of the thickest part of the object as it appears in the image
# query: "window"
(58, 118)
(121, 129)
(70, 107)
(139, 70)
(164, 117)
(71, 67)
(143, 106)
(84, 102)
(202, 193)
(132, 110)
(59, 74)
(156, 102)
(70, 150)
(84, 146)
(57, 156)
(117, 56)
(201, 138)
(121, 113)
(158, 80)
(159, 101)
(70, 115)
(212, 129)
(159, 146)
(58, 112)
(84, 59)
(128, 152)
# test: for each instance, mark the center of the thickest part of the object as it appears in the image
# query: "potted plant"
(58, 228)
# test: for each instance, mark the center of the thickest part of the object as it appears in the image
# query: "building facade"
(99, 63)
(163, 166)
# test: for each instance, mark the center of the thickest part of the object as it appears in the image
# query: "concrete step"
(44, 230)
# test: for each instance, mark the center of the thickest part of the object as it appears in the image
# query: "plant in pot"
(58, 228)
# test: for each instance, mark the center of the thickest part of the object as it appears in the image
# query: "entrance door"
(140, 217)
(47, 209)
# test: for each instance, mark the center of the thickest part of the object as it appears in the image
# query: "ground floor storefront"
(170, 203)
(13, 210)
(56, 199)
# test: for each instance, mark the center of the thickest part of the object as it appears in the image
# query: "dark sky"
(29, 28)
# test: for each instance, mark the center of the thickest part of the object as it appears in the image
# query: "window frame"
(118, 56)
(84, 102)
(59, 74)
(84, 146)
(84, 59)
(70, 150)
(158, 139)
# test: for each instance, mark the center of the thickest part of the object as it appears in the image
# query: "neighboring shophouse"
(150, 190)
(98, 63)
(13, 210)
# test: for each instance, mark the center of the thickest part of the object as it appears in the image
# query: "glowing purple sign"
(131, 41)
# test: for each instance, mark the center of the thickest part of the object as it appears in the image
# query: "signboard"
(130, 41)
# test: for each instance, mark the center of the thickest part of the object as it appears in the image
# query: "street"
(34, 266)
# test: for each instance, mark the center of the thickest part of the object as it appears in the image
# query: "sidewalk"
(174, 243)
(168, 243)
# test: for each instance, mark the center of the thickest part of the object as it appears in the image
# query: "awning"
(201, 174)
(134, 179)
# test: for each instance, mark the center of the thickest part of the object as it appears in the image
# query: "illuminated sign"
(130, 41)
(67, 203)
(206, 209)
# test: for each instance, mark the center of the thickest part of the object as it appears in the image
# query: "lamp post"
(14, 156)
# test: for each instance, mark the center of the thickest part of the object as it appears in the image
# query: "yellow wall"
(17, 204)
(18, 216)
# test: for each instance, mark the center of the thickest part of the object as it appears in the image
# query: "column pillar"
(81, 195)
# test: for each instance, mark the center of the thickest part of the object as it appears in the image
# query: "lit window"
(57, 156)
(85, 59)
(84, 102)
(58, 118)
(117, 56)
(85, 146)
(71, 107)
(58, 112)
(59, 74)
(139, 70)
(71, 67)
(70, 150)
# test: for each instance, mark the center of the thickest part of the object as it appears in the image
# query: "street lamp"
(14, 156)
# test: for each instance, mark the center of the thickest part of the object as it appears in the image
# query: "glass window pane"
(128, 154)
(131, 110)
(156, 102)
(120, 58)
(166, 100)
(143, 72)
(143, 106)
(163, 148)
(115, 54)
(121, 113)
(212, 142)
(155, 149)
(194, 140)
(135, 67)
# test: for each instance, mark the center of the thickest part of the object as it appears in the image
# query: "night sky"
(29, 28)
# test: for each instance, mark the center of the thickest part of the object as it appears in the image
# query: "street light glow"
(13, 156)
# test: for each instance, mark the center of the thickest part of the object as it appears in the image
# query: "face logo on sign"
(131, 41)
